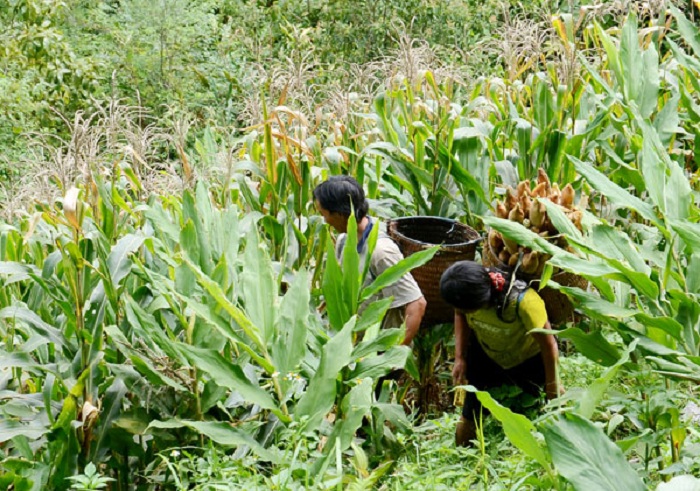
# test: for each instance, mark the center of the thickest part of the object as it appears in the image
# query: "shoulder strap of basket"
(514, 296)
(519, 288)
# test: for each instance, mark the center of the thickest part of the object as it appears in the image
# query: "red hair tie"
(497, 281)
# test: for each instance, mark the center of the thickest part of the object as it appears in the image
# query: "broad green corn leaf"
(594, 305)
(670, 326)
(352, 277)
(154, 333)
(517, 428)
(395, 272)
(189, 242)
(354, 407)
(614, 193)
(319, 397)
(689, 232)
(586, 458)
(667, 120)
(162, 223)
(561, 258)
(378, 365)
(142, 365)
(258, 287)
(559, 219)
(386, 338)
(19, 312)
(195, 211)
(291, 327)
(219, 432)
(592, 345)
(649, 90)
(664, 178)
(612, 243)
(688, 30)
(373, 314)
(16, 271)
(118, 262)
(10, 428)
(248, 327)
(593, 394)
(337, 307)
(229, 375)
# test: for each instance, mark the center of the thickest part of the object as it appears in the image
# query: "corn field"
(173, 316)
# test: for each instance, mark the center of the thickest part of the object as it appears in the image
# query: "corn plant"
(281, 166)
(655, 262)
(229, 326)
(429, 151)
(65, 283)
(644, 277)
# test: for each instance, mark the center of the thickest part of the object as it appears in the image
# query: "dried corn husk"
(542, 177)
(501, 210)
(525, 206)
(495, 241)
(516, 214)
(511, 199)
(537, 214)
(523, 188)
(566, 199)
(530, 262)
(513, 261)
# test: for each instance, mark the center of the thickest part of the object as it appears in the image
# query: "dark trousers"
(484, 373)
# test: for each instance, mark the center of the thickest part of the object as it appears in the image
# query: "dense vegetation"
(171, 312)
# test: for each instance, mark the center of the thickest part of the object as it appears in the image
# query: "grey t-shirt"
(386, 254)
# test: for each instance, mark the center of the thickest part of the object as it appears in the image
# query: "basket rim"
(478, 237)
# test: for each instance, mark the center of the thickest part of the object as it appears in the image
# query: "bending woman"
(493, 343)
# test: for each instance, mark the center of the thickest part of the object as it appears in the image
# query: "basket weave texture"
(457, 243)
(559, 307)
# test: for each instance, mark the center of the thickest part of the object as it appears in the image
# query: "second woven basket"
(559, 308)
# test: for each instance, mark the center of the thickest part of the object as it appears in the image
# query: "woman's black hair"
(336, 194)
(467, 286)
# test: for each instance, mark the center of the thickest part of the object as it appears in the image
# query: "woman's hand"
(459, 371)
(462, 335)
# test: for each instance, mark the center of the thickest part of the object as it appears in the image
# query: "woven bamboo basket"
(559, 307)
(457, 243)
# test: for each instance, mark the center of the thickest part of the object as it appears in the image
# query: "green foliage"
(173, 294)
(90, 480)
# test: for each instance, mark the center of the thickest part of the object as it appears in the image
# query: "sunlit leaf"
(258, 287)
(517, 428)
(585, 457)
(118, 261)
(319, 397)
(291, 328)
(614, 193)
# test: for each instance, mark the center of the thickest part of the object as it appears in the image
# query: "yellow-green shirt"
(509, 343)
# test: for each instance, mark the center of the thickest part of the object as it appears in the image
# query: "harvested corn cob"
(525, 205)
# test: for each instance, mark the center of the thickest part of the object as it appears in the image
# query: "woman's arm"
(550, 358)
(462, 335)
(414, 315)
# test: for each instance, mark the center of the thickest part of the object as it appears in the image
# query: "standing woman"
(336, 199)
(493, 342)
